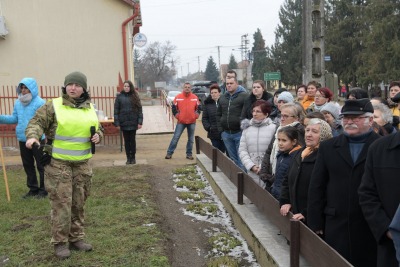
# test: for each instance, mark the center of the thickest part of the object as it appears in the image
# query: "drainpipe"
(135, 14)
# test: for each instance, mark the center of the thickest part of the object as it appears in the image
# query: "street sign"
(327, 58)
(140, 39)
(272, 76)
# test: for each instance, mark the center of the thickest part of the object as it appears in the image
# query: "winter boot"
(80, 245)
(128, 159)
(133, 160)
(61, 251)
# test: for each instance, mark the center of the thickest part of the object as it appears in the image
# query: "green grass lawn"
(122, 223)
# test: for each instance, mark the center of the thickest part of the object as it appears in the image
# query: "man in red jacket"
(186, 109)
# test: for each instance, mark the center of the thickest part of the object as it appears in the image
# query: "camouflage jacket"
(45, 120)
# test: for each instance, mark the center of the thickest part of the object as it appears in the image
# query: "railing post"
(214, 160)
(294, 243)
(240, 189)
(197, 141)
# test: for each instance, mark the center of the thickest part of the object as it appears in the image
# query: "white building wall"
(50, 38)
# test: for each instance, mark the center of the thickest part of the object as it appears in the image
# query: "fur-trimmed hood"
(246, 123)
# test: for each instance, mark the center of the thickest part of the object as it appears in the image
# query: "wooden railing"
(302, 240)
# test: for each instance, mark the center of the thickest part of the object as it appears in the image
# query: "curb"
(269, 247)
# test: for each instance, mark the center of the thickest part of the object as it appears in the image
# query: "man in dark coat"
(380, 194)
(228, 118)
(333, 206)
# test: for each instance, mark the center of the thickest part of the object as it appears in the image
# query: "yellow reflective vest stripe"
(72, 138)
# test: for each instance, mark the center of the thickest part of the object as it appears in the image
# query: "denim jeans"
(232, 142)
(177, 134)
(218, 143)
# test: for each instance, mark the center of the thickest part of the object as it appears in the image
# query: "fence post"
(214, 160)
(294, 243)
(240, 189)
(197, 141)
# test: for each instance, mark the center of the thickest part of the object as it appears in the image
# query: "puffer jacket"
(254, 141)
(124, 115)
(209, 118)
(230, 109)
(23, 113)
(284, 160)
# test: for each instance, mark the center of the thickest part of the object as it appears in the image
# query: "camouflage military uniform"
(67, 182)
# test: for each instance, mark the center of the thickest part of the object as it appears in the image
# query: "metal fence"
(102, 96)
(302, 240)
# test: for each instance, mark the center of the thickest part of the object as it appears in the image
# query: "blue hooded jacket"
(22, 114)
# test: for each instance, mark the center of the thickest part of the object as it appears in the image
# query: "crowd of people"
(333, 167)
(322, 161)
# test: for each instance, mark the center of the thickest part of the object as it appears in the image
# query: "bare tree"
(156, 63)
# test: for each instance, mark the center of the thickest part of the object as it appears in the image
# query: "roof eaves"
(129, 2)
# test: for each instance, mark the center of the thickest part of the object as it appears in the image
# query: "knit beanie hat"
(76, 77)
(286, 96)
(279, 91)
(332, 108)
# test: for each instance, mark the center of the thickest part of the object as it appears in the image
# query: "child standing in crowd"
(288, 148)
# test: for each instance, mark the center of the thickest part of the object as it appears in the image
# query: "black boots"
(130, 159)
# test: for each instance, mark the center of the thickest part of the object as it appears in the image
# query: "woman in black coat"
(258, 93)
(209, 118)
(295, 185)
(128, 116)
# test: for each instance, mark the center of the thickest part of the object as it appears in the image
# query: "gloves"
(45, 153)
(45, 159)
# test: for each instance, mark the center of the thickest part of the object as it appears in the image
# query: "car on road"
(171, 96)
(202, 89)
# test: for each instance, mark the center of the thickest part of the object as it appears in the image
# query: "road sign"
(140, 39)
(327, 58)
(272, 76)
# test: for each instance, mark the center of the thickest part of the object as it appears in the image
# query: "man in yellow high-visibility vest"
(67, 122)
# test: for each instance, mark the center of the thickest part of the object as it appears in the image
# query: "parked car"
(202, 89)
(171, 96)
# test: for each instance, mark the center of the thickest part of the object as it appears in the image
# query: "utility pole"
(219, 63)
(198, 62)
(188, 69)
(244, 52)
(313, 41)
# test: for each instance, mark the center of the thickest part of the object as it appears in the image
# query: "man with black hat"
(68, 122)
(379, 193)
(333, 205)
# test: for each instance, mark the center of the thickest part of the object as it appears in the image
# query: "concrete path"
(156, 120)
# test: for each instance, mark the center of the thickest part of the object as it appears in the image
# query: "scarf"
(25, 99)
(275, 149)
(308, 151)
(318, 108)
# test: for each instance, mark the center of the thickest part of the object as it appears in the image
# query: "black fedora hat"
(357, 107)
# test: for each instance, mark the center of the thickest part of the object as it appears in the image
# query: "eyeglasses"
(353, 118)
(287, 116)
(257, 111)
(320, 96)
(23, 87)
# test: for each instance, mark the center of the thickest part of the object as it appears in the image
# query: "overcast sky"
(197, 27)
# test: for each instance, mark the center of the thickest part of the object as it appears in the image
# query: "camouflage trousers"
(68, 184)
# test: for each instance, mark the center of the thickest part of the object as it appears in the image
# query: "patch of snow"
(221, 218)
